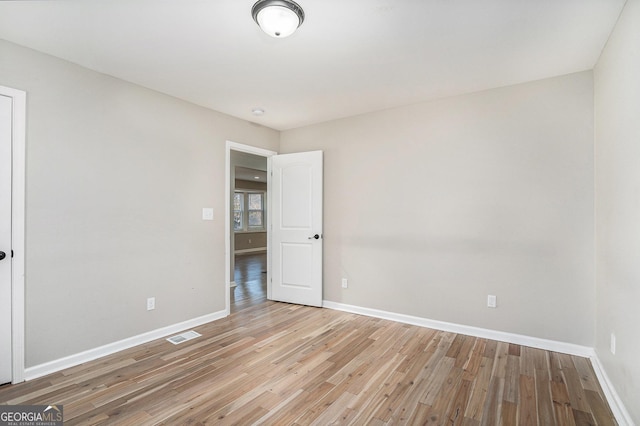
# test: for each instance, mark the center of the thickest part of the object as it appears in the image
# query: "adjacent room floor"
(276, 363)
(251, 280)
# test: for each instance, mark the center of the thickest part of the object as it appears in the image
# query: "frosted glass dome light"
(278, 18)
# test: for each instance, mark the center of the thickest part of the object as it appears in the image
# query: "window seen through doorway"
(248, 211)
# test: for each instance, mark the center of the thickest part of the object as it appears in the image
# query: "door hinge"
(11, 253)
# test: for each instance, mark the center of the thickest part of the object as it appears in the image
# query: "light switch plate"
(492, 301)
(207, 213)
(613, 344)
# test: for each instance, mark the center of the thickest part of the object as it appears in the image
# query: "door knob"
(2, 255)
(316, 237)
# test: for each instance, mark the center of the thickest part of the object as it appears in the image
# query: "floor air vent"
(183, 337)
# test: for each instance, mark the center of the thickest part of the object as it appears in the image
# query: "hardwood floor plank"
(408, 405)
(583, 419)
(500, 360)
(599, 409)
(586, 373)
(561, 403)
(564, 416)
(490, 349)
(480, 389)
(492, 409)
(512, 379)
(555, 367)
(241, 417)
(475, 358)
(295, 408)
(546, 412)
(422, 366)
(455, 414)
(420, 415)
(276, 409)
(445, 396)
(377, 406)
(436, 380)
(540, 358)
(367, 401)
(420, 341)
(470, 422)
(95, 420)
(527, 410)
(13, 394)
(456, 345)
(527, 362)
(576, 393)
(389, 408)
(334, 411)
(514, 349)
(509, 414)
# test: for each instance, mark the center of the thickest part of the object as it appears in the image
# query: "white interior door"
(5, 238)
(296, 228)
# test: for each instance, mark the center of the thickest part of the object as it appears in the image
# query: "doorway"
(294, 226)
(247, 239)
(249, 218)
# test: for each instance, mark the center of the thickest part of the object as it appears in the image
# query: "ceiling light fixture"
(278, 18)
(257, 111)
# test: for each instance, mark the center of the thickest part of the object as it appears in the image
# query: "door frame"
(18, 170)
(234, 146)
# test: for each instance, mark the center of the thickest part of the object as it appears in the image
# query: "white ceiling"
(349, 56)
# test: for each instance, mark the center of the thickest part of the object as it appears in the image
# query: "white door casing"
(6, 106)
(295, 193)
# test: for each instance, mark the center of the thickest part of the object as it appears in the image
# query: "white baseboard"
(252, 250)
(91, 354)
(519, 339)
(615, 403)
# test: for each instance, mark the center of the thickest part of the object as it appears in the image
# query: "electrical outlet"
(151, 303)
(207, 213)
(345, 283)
(613, 344)
(492, 301)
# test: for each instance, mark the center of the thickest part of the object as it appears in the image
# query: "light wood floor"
(251, 281)
(280, 364)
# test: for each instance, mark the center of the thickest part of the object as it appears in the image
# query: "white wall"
(617, 106)
(117, 176)
(429, 208)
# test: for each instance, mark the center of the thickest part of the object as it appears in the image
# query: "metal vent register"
(183, 337)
